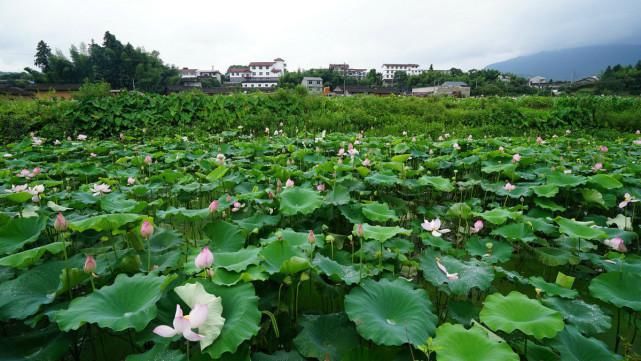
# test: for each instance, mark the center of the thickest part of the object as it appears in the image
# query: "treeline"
(620, 79)
(486, 82)
(139, 114)
(122, 66)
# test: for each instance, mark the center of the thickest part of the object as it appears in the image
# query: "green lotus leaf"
(455, 343)
(278, 356)
(516, 232)
(549, 204)
(573, 346)
(159, 352)
(104, 222)
(241, 314)
(518, 312)
(193, 294)
(18, 197)
(588, 318)
(299, 200)
(224, 236)
(546, 190)
(562, 180)
(338, 196)
(380, 233)
(26, 293)
(605, 181)
(326, 336)
(336, 271)
(31, 256)
(130, 302)
(41, 344)
(630, 264)
(471, 274)
(118, 203)
(379, 212)
(592, 196)
(497, 215)
(257, 221)
(391, 313)
(498, 253)
(618, 288)
(185, 214)
(552, 289)
(439, 183)
(18, 232)
(278, 252)
(459, 210)
(237, 261)
(577, 229)
(382, 179)
(555, 256)
(217, 173)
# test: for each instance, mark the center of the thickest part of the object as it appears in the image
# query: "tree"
(401, 80)
(43, 52)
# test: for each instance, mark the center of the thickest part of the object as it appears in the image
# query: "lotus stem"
(618, 338)
(148, 255)
(274, 323)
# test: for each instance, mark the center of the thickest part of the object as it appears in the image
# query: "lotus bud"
(304, 277)
(60, 224)
(204, 259)
(131, 181)
(148, 160)
(146, 229)
(289, 183)
(311, 237)
(90, 265)
(360, 230)
(213, 206)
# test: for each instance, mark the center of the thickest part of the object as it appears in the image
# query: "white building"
(211, 74)
(344, 69)
(258, 74)
(238, 74)
(537, 81)
(313, 84)
(388, 70)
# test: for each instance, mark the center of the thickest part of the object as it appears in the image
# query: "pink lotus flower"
(213, 206)
(501, 149)
(204, 259)
(616, 244)
(509, 187)
(637, 142)
(366, 162)
(359, 230)
(603, 148)
(237, 206)
(341, 152)
(456, 146)
(434, 227)
(220, 159)
(311, 237)
(36, 171)
(539, 140)
(351, 150)
(228, 198)
(148, 159)
(25, 173)
(320, 187)
(60, 224)
(597, 167)
(35, 192)
(93, 155)
(146, 229)
(99, 189)
(627, 198)
(17, 188)
(90, 265)
(516, 158)
(289, 183)
(131, 181)
(81, 137)
(184, 324)
(441, 267)
(478, 226)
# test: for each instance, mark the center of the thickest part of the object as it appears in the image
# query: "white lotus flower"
(450, 276)
(184, 324)
(99, 189)
(434, 227)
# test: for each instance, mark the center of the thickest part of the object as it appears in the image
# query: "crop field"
(337, 246)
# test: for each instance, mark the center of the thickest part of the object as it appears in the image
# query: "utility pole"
(344, 78)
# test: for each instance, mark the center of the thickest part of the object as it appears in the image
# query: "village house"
(355, 73)
(313, 84)
(389, 70)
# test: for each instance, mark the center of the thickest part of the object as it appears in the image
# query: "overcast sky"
(307, 34)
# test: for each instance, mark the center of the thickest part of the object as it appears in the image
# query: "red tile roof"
(406, 65)
(238, 69)
(262, 63)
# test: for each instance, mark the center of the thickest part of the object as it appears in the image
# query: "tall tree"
(43, 53)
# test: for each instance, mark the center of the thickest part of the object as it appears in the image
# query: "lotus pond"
(325, 247)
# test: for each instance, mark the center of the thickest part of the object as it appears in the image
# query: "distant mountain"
(568, 64)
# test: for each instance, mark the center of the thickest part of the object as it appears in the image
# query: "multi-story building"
(313, 84)
(389, 70)
(258, 74)
(355, 73)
